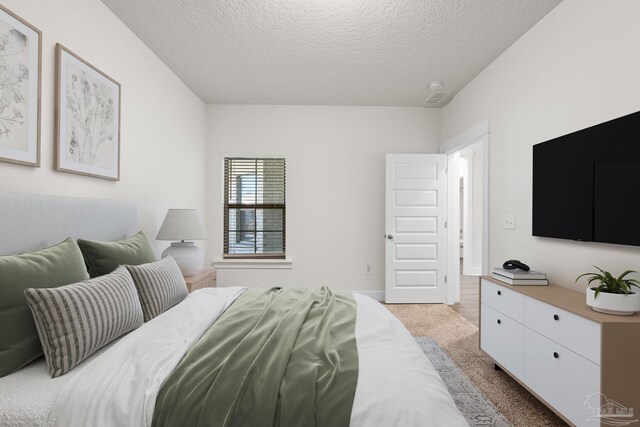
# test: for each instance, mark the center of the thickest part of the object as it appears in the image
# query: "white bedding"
(27, 396)
(397, 385)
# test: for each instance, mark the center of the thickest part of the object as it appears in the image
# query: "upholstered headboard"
(29, 222)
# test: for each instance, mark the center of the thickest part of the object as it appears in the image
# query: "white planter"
(620, 304)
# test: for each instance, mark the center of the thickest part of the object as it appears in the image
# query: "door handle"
(389, 236)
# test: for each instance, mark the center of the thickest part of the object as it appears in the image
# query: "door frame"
(478, 133)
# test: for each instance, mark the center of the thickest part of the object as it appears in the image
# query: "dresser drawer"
(574, 332)
(503, 339)
(503, 300)
(561, 377)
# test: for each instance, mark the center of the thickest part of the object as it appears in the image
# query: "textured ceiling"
(327, 52)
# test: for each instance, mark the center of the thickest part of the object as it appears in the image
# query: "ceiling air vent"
(436, 99)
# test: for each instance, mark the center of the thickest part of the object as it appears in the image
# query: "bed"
(119, 385)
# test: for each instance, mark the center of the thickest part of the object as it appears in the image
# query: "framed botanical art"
(87, 135)
(20, 85)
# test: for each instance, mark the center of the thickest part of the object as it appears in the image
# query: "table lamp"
(183, 225)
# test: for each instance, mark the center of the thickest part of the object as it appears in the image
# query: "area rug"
(458, 338)
(473, 405)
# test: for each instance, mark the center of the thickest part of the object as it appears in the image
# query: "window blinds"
(254, 207)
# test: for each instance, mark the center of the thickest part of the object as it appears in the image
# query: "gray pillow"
(74, 321)
(160, 286)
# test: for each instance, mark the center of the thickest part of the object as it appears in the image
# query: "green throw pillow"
(55, 266)
(104, 257)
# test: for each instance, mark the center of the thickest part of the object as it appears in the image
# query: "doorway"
(466, 165)
(467, 217)
(470, 212)
(437, 223)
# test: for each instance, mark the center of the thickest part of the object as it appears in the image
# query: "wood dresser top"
(566, 299)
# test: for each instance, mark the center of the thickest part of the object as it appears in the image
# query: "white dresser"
(570, 357)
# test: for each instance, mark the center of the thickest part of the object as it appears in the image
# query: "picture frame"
(87, 118)
(21, 89)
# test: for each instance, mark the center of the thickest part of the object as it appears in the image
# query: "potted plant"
(612, 295)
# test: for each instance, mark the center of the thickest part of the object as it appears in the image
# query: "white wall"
(577, 67)
(335, 184)
(163, 122)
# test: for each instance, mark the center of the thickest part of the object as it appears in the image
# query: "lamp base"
(187, 255)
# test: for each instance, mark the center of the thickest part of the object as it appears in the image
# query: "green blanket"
(276, 357)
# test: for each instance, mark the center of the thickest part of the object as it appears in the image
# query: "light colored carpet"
(459, 339)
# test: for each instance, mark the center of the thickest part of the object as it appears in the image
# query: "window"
(254, 207)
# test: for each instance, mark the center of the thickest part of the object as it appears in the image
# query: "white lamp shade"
(181, 224)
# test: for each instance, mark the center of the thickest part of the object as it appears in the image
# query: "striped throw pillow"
(160, 286)
(74, 321)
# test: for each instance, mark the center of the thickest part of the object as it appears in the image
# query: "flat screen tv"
(586, 185)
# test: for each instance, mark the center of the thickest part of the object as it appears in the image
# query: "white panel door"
(415, 228)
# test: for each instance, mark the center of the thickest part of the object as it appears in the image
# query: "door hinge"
(445, 224)
(445, 279)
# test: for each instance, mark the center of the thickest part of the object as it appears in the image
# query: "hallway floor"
(469, 306)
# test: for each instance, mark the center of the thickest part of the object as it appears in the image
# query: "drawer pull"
(556, 317)
(556, 355)
(499, 292)
(499, 321)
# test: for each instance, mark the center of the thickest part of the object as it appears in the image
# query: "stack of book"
(519, 277)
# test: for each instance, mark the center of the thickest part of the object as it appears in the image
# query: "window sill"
(282, 264)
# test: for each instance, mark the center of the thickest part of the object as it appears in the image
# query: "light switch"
(509, 222)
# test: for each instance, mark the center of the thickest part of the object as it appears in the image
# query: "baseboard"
(376, 295)
(476, 271)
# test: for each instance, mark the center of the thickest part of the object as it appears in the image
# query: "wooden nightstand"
(201, 279)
